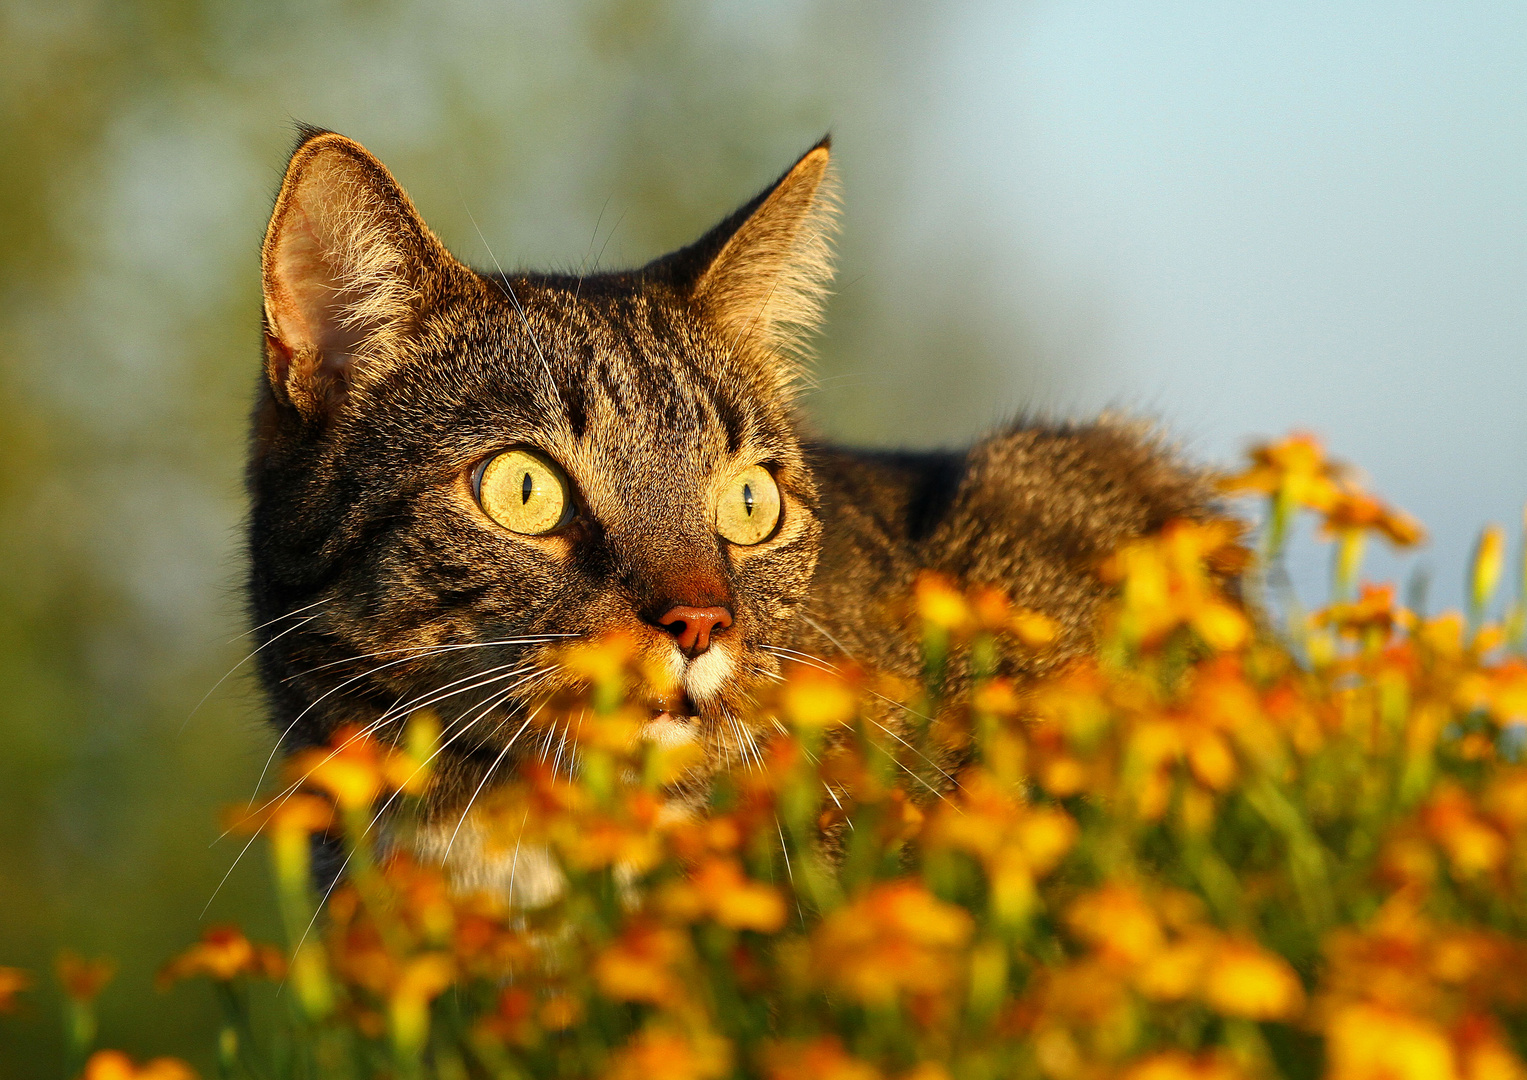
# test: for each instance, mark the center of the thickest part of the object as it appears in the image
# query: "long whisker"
(248, 657)
(823, 665)
(486, 776)
(502, 281)
(423, 651)
(278, 618)
(286, 732)
(294, 787)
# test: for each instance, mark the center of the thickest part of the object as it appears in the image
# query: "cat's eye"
(749, 507)
(525, 492)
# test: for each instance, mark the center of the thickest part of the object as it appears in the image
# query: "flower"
(1177, 1065)
(82, 979)
(1489, 559)
(661, 1051)
(422, 979)
(1295, 469)
(642, 965)
(818, 1059)
(115, 1065)
(814, 700)
(897, 938)
(718, 889)
(223, 954)
(940, 603)
(1244, 979)
(12, 982)
(1368, 1042)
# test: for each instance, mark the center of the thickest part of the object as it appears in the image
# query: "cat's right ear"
(348, 267)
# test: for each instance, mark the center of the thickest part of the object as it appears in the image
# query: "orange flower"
(349, 770)
(1295, 470)
(897, 938)
(1117, 921)
(1472, 844)
(82, 979)
(115, 1065)
(224, 953)
(1177, 1065)
(1018, 844)
(642, 965)
(299, 813)
(819, 1059)
(12, 982)
(721, 890)
(1166, 583)
(1244, 979)
(1354, 509)
(663, 1052)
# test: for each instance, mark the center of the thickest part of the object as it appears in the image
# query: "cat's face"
(455, 475)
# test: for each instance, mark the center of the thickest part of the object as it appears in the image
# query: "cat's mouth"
(679, 709)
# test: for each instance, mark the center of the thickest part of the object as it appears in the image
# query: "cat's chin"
(669, 729)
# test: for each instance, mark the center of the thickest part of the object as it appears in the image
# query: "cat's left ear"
(762, 275)
(348, 268)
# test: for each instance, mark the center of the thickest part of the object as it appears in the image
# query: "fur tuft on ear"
(348, 266)
(762, 275)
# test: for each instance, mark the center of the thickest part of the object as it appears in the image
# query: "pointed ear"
(762, 275)
(348, 267)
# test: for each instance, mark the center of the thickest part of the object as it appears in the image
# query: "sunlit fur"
(392, 370)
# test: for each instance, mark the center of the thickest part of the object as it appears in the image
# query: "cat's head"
(455, 472)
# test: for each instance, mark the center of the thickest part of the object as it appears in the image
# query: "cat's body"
(454, 474)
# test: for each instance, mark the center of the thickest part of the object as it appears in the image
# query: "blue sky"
(1249, 217)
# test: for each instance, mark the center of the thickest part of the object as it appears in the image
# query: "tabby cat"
(454, 472)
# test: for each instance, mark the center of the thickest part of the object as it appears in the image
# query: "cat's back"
(1032, 509)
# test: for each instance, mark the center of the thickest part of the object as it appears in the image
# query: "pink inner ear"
(304, 300)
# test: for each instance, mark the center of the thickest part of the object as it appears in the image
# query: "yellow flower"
(815, 699)
(1295, 468)
(1366, 1042)
(1035, 629)
(940, 603)
(1473, 846)
(1117, 922)
(422, 980)
(735, 901)
(1489, 560)
(115, 1065)
(350, 770)
(1244, 979)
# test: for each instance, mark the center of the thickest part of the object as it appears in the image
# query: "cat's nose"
(693, 626)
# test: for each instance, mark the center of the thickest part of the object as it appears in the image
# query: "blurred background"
(1236, 217)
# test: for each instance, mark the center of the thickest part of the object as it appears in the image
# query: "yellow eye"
(524, 492)
(749, 507)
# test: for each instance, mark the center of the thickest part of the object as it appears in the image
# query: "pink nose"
(693, 626)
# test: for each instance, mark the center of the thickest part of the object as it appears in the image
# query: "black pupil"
(526, 489)
(747, 498)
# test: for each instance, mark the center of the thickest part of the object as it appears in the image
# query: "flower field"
(1244, 840)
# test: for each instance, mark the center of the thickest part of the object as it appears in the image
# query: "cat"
(453, 473)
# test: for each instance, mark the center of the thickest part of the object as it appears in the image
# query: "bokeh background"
(1238, 217)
